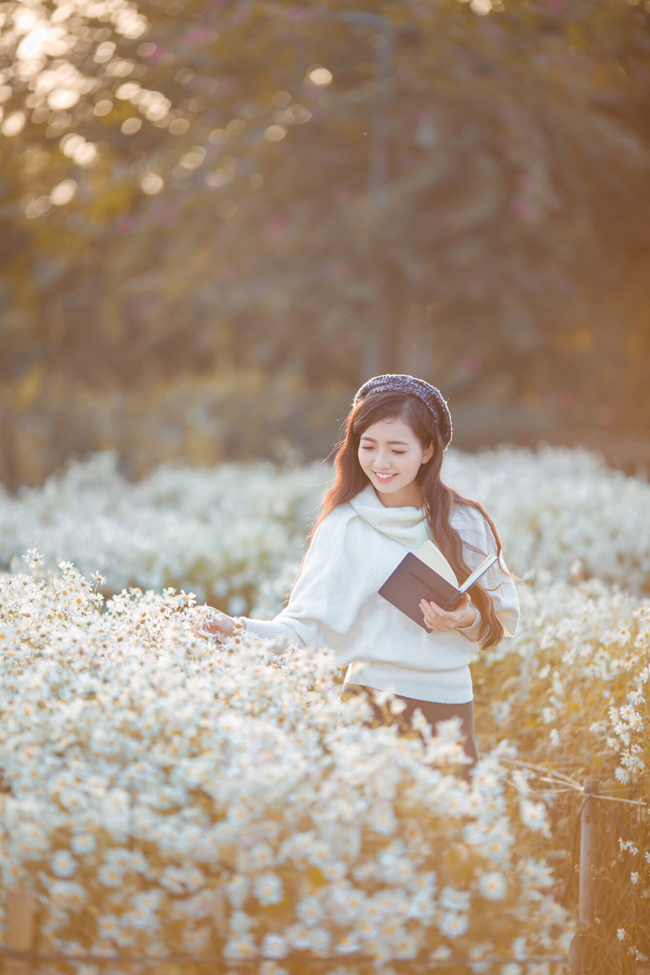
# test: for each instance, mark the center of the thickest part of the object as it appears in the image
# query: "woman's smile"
(384, 477)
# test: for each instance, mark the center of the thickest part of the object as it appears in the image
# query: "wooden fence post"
(588, 844)
(19, 931)
(581, 949)
(588, 854)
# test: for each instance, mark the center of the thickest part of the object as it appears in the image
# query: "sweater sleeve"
(270, 630)
(501, 587)
(327, 594)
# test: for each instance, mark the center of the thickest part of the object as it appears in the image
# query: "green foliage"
(179, 194)
(239, 416)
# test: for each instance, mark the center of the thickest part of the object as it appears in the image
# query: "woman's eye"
(395, 451)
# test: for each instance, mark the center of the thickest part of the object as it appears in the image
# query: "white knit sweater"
(335, 603)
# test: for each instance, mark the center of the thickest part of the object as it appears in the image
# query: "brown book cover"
(414, 580)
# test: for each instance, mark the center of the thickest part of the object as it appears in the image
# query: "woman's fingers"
(206, 628)
(210, 623)
(430, 616)
(434, 615)
(438, 618)
(200, 628)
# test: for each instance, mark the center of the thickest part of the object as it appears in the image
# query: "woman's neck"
(409, 496)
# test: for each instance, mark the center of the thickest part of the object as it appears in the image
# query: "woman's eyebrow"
(388, 441)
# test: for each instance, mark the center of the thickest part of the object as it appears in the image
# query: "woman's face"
(390, 447)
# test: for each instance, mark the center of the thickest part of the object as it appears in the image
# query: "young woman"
(388, 499)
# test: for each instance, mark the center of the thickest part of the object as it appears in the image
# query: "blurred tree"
(185, 188)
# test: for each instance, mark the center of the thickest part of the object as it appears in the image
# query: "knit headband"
(430, 396)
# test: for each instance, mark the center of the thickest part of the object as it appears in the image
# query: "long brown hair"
(439, 498)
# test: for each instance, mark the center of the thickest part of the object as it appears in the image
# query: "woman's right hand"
(213, 621)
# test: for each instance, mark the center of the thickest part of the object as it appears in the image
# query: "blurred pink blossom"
(562, 283)
(163, 212)
(490, 28)
(340, 194)
(562, 396)
(277, 226)
(196, 35)
(523, 208)
(471, 364)
(606, 414)
(340, 270)
(124, 224)
(158, 51)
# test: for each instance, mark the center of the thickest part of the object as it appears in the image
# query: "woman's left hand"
(437, 618)
(213, 622)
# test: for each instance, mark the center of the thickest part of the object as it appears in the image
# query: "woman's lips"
(384, 480)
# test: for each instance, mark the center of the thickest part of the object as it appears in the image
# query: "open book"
(426, 574)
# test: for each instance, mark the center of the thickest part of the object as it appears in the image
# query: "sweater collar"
(408, 524)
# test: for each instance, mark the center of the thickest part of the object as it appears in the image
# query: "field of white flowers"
(163, 796)
(234, 535)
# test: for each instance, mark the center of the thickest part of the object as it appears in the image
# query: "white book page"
(430, 554)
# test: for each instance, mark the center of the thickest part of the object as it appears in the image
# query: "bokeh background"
(220, 217)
